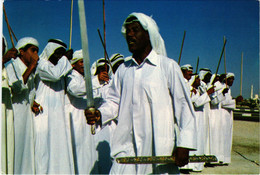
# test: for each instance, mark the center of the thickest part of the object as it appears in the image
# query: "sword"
(163, 159)
(84, 43)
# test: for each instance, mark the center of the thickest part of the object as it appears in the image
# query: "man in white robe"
(198, 100)
(150, 97)
(205, 75)
(215, 120)
(84, 150)
(227, 107)
(187, 70)
(101, 81)
(20, 72)
(53, 150)
(7, 119)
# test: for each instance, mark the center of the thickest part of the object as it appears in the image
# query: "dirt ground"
(245, 151)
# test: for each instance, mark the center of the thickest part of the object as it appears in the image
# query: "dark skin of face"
(187, 74)
(79, 66)
(230, 81)
(138, 41)
(56, 56)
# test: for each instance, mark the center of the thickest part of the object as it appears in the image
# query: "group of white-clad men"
(145, 108)
(213, 105)
(44, 97)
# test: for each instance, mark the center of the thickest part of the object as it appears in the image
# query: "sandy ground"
(245, 149)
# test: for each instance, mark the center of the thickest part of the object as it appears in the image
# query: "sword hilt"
(93, 128)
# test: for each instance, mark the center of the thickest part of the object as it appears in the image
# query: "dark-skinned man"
(20, 71)
(227, 107)
(53, 150)
(148, 92)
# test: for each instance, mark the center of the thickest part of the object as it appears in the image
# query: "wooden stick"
(106, 57)
(198, 59)
(225, 62)
(8, 26)
(104, 28)
(71, 12)
(241, 76)
(221, 55)
(181, 47)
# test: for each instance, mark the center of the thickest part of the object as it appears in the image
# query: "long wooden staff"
(225, 65)
(104, 28)
(9, 28)
(105, 50)
(181, 47)
(197, 66)
(71, 12)
(241, 76)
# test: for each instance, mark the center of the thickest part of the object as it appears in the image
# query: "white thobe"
(84, 152)
(215, 123)
(22, 98)
(53, 150)
(104, 135)
(206, 113)
(7, 135)
(227, 107)
(150, 100)
(199, 101)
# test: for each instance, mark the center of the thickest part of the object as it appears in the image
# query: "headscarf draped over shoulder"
(52, 45)
(149, 25)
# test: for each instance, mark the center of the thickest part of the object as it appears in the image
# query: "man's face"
(196, 82)
(230, 81)
(187, 74)
(27, 55)
(137, 38)
(79, 66)
(207, 77)
(58, 53)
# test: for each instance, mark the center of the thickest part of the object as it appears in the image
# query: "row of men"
(143, 108)
(213, 105)
(43, 104)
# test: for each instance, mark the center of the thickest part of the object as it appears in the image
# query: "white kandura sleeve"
(183, 108)
(109, 109)
(49, 72)
(76, 84)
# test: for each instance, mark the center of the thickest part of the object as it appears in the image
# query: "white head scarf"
(187, 67)
(51, 47)
(149, 25)
(77, 55)
(99, 62)
(116, 58)
(203, 72)
(229, 74)
(25, 41)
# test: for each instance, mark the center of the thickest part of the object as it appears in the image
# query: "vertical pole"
(71, 12)
(8, 26)
(182, 47)
(225, 65)
(241, 75)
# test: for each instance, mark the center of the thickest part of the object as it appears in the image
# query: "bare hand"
(36, 108)
(12, 53)
(92, 115)
(103, 77)
(181, 156)
(225, 91)
(69, 54)
(194, 91)
(211, 91)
